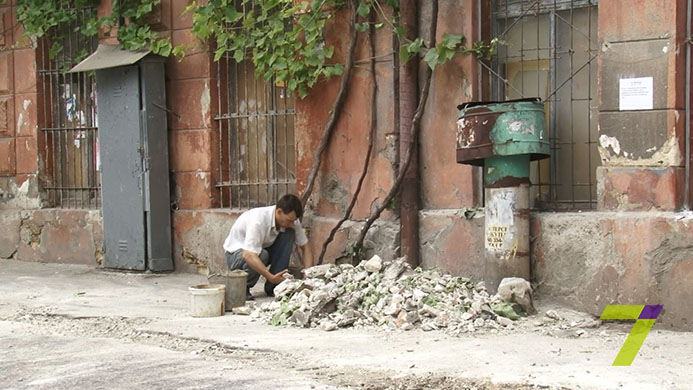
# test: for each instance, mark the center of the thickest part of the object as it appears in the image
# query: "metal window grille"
(68, 122)
(256, 137)
(549, 51)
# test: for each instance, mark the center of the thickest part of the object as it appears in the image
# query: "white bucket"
(207, 300)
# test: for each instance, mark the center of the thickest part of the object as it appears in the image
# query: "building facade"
(608, 220)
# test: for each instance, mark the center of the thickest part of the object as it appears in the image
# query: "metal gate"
(255, 121)
(68, 123)
(549, 50)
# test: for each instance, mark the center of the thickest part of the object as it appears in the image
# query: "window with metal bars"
(68, 121)
(255, 121)
(549, 51)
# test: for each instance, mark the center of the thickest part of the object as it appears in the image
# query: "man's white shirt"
(256, 229)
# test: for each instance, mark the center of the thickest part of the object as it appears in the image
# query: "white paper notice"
(636, 94)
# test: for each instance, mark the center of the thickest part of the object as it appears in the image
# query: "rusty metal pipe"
(687, 192)
(408, 88)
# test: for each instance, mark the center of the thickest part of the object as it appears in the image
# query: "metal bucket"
(207, 300)
(235, 282)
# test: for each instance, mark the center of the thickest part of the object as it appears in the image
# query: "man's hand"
(277, 278)
(256, 263)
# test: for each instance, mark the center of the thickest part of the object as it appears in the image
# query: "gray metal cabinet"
(133, 142)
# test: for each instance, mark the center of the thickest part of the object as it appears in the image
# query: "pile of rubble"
(392, 295)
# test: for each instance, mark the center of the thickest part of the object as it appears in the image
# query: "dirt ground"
(66, 326)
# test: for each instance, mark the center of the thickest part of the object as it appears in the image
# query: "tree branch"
(337, 106)
(371, 139)
(415, 126)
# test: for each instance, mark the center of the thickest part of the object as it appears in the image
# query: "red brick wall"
(18, 104)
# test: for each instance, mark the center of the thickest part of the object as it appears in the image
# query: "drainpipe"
(408, 95)
(687, 192)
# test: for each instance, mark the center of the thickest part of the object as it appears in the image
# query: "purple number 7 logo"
(644, 316)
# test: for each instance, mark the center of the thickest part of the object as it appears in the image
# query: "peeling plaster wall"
(583, 260)
(382, 239)
(590, 260)
(51, 235)
(198, 238)
(16, 194)
(451, 242)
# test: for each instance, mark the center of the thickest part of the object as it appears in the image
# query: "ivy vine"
(285, 39)
(49, 19)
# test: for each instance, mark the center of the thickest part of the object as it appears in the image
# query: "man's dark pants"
(276, 256)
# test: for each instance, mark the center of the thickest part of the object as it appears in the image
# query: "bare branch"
(371, 140)
(415, 125)
(336, 107)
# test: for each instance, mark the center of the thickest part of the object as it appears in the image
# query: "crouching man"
(265, 236)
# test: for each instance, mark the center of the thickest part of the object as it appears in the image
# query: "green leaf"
(232, 15)
(451, 40)
(329, 52)
(238, 55)
(362, 27)
(444, 54)
(191, 7)
(399, 31)
(363, 10)
(56, 48)
(404, 55)
(431, 58)
(379, 25)
(218, 54)
(292, 84)
(505, 309)
(415, 47)
(179, 51)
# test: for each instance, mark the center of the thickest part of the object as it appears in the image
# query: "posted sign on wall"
(636, 94)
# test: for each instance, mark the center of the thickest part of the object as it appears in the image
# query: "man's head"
(289, 209)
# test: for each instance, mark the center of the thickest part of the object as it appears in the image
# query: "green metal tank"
(488, 129)
(503, 137)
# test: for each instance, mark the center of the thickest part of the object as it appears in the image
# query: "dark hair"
(289, 203)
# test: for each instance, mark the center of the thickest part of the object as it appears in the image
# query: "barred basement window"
(255, 121)
(67, 116)
(550, 52)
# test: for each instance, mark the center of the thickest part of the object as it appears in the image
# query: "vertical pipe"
(687, 192)
(589, 104)
(553, 130)
(220, 126)
(234, 128)
(408, 85)
(572, 101)
(256, 177)
(246, 121)
(287, 150)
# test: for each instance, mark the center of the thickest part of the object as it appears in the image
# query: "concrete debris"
(553, 315)
(519, 291)
(243, 310)
(388, 295)
(374, 264)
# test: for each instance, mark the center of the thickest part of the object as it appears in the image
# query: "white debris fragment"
(375, 264)
(242, 310)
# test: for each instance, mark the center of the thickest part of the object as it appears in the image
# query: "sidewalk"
(100, 329)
